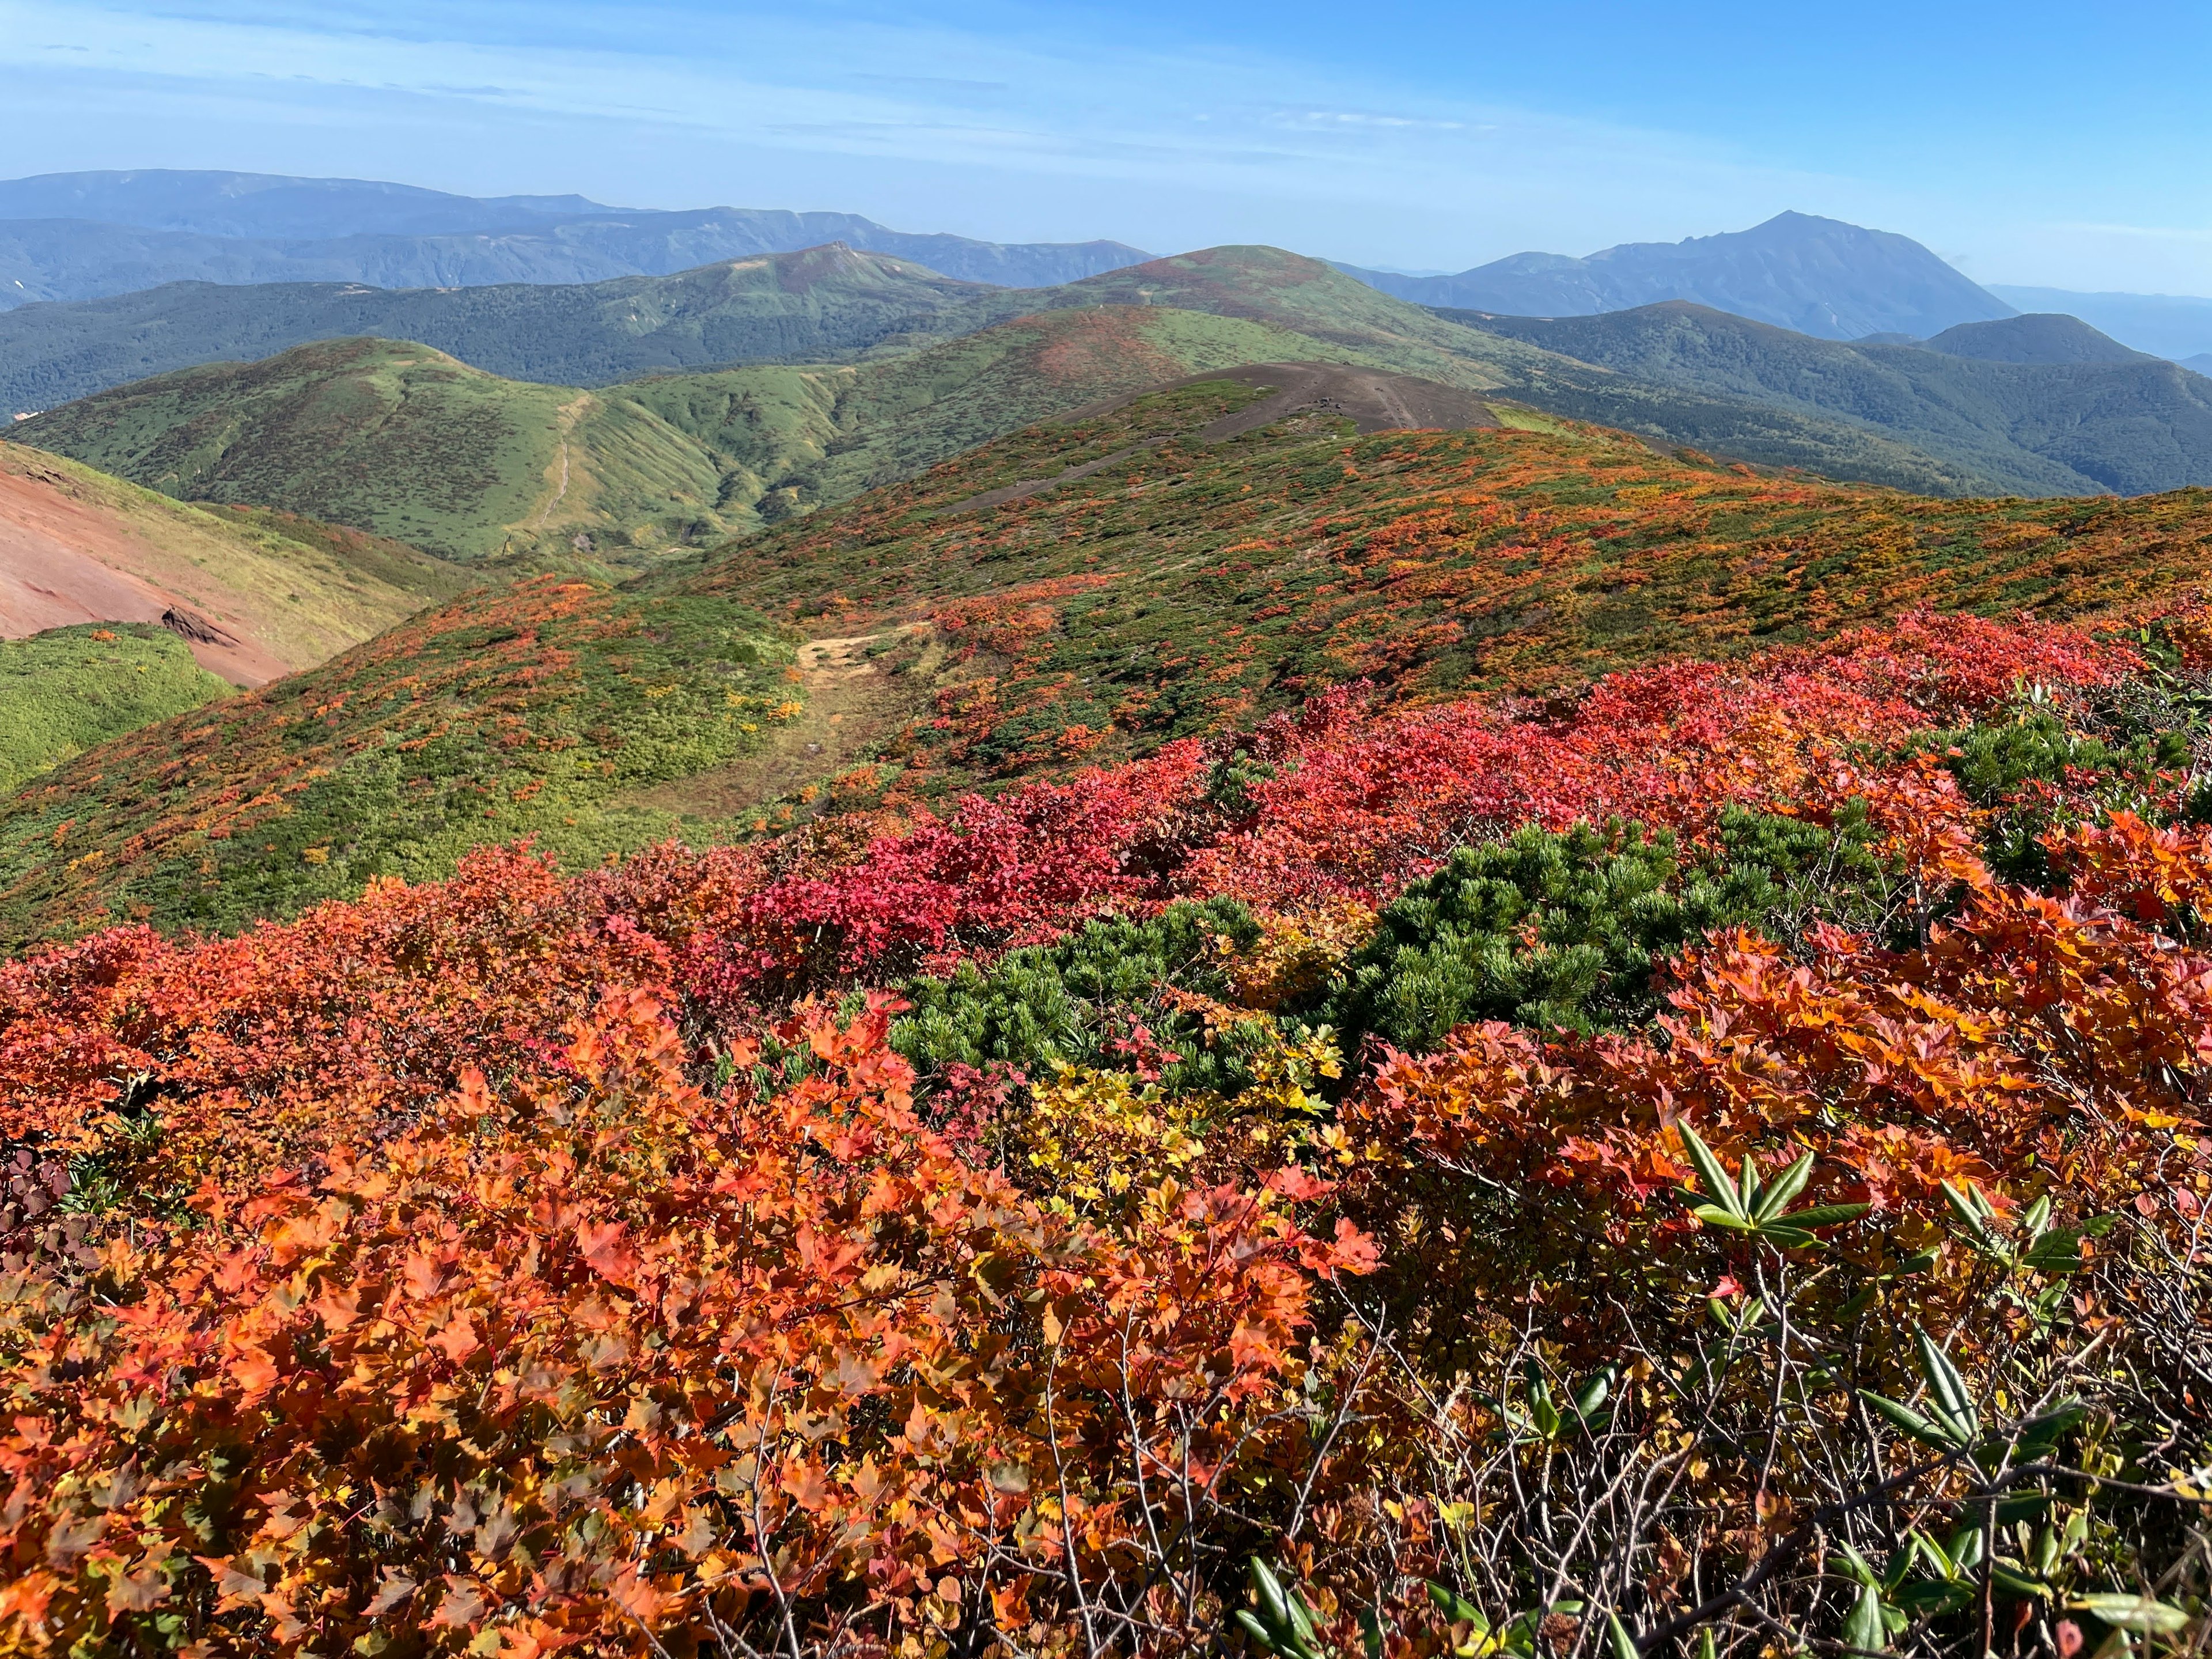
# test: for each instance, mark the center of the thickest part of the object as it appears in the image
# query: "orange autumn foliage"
(591, 1358)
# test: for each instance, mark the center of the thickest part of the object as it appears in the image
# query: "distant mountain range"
(2173, 325)
(405, 441)
(83, 235)
(718, 396)
(812, 306)
(2030, 405)
(1813, 276)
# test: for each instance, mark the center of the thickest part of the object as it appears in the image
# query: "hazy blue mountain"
(2176, 325)
(2201, 363)
(2115, 421)
(262, 205)
(79, 236)
(2038, 338)
(1812, 276)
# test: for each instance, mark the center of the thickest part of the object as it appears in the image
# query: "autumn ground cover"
(1185, 590)
(1189, 586)
(1709, 1159)
(521, 711)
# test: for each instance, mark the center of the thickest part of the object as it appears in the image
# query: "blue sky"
(2028, 142)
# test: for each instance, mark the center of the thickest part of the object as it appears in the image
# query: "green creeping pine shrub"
(1555, 929)
(1993, 763)
(1080, 1000)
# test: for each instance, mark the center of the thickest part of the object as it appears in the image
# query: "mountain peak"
(1820, 276)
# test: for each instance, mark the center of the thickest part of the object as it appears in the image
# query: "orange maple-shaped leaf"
(605, 1252)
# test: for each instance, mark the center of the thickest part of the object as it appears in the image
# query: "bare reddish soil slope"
(255, 602)
(64, 561)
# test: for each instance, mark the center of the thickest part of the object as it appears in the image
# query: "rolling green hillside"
(64, 690)
(396, 438)
(1122, 579)
(2085, 422)
(405, 441)
(790, 307)
(402, 440)
(792, 439)
(1991, 409)
(1348, 321)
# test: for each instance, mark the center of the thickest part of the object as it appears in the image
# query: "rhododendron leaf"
(2141, 1613)
(2041, 1431)
(1456, 1607)
(1713, 1215)
(1719, 1190)
(1827, 1215)
(2057, 1253)
(1274, 1608)
(1911, 1421)
(1955, 1408)
(2018, 1585)
(1783, 1187)
(1863, 1627)
(1973, 1210)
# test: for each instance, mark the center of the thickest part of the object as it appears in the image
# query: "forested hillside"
(471, 465)
(2030, 415)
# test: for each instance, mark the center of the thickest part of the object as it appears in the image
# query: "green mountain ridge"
(821, 304)
(412, 443)
(406, 442)
(2115, 422)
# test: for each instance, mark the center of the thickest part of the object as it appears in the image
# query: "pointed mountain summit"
(1818, 276)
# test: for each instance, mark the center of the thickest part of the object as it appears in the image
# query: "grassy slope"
(1194, 584)
(304, 589)
(1356, 323)
(787, 307)
(872, 314)
(526, 712)
(2039, 429)
(405, 441)
(66, 690)
(398, 439)
(1189, 587)
(792, 439)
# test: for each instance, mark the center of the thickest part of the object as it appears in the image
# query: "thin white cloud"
(1179, 143)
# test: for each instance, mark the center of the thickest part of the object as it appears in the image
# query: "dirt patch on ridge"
(851, 706)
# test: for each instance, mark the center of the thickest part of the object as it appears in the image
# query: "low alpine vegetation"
(1713, 1163)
